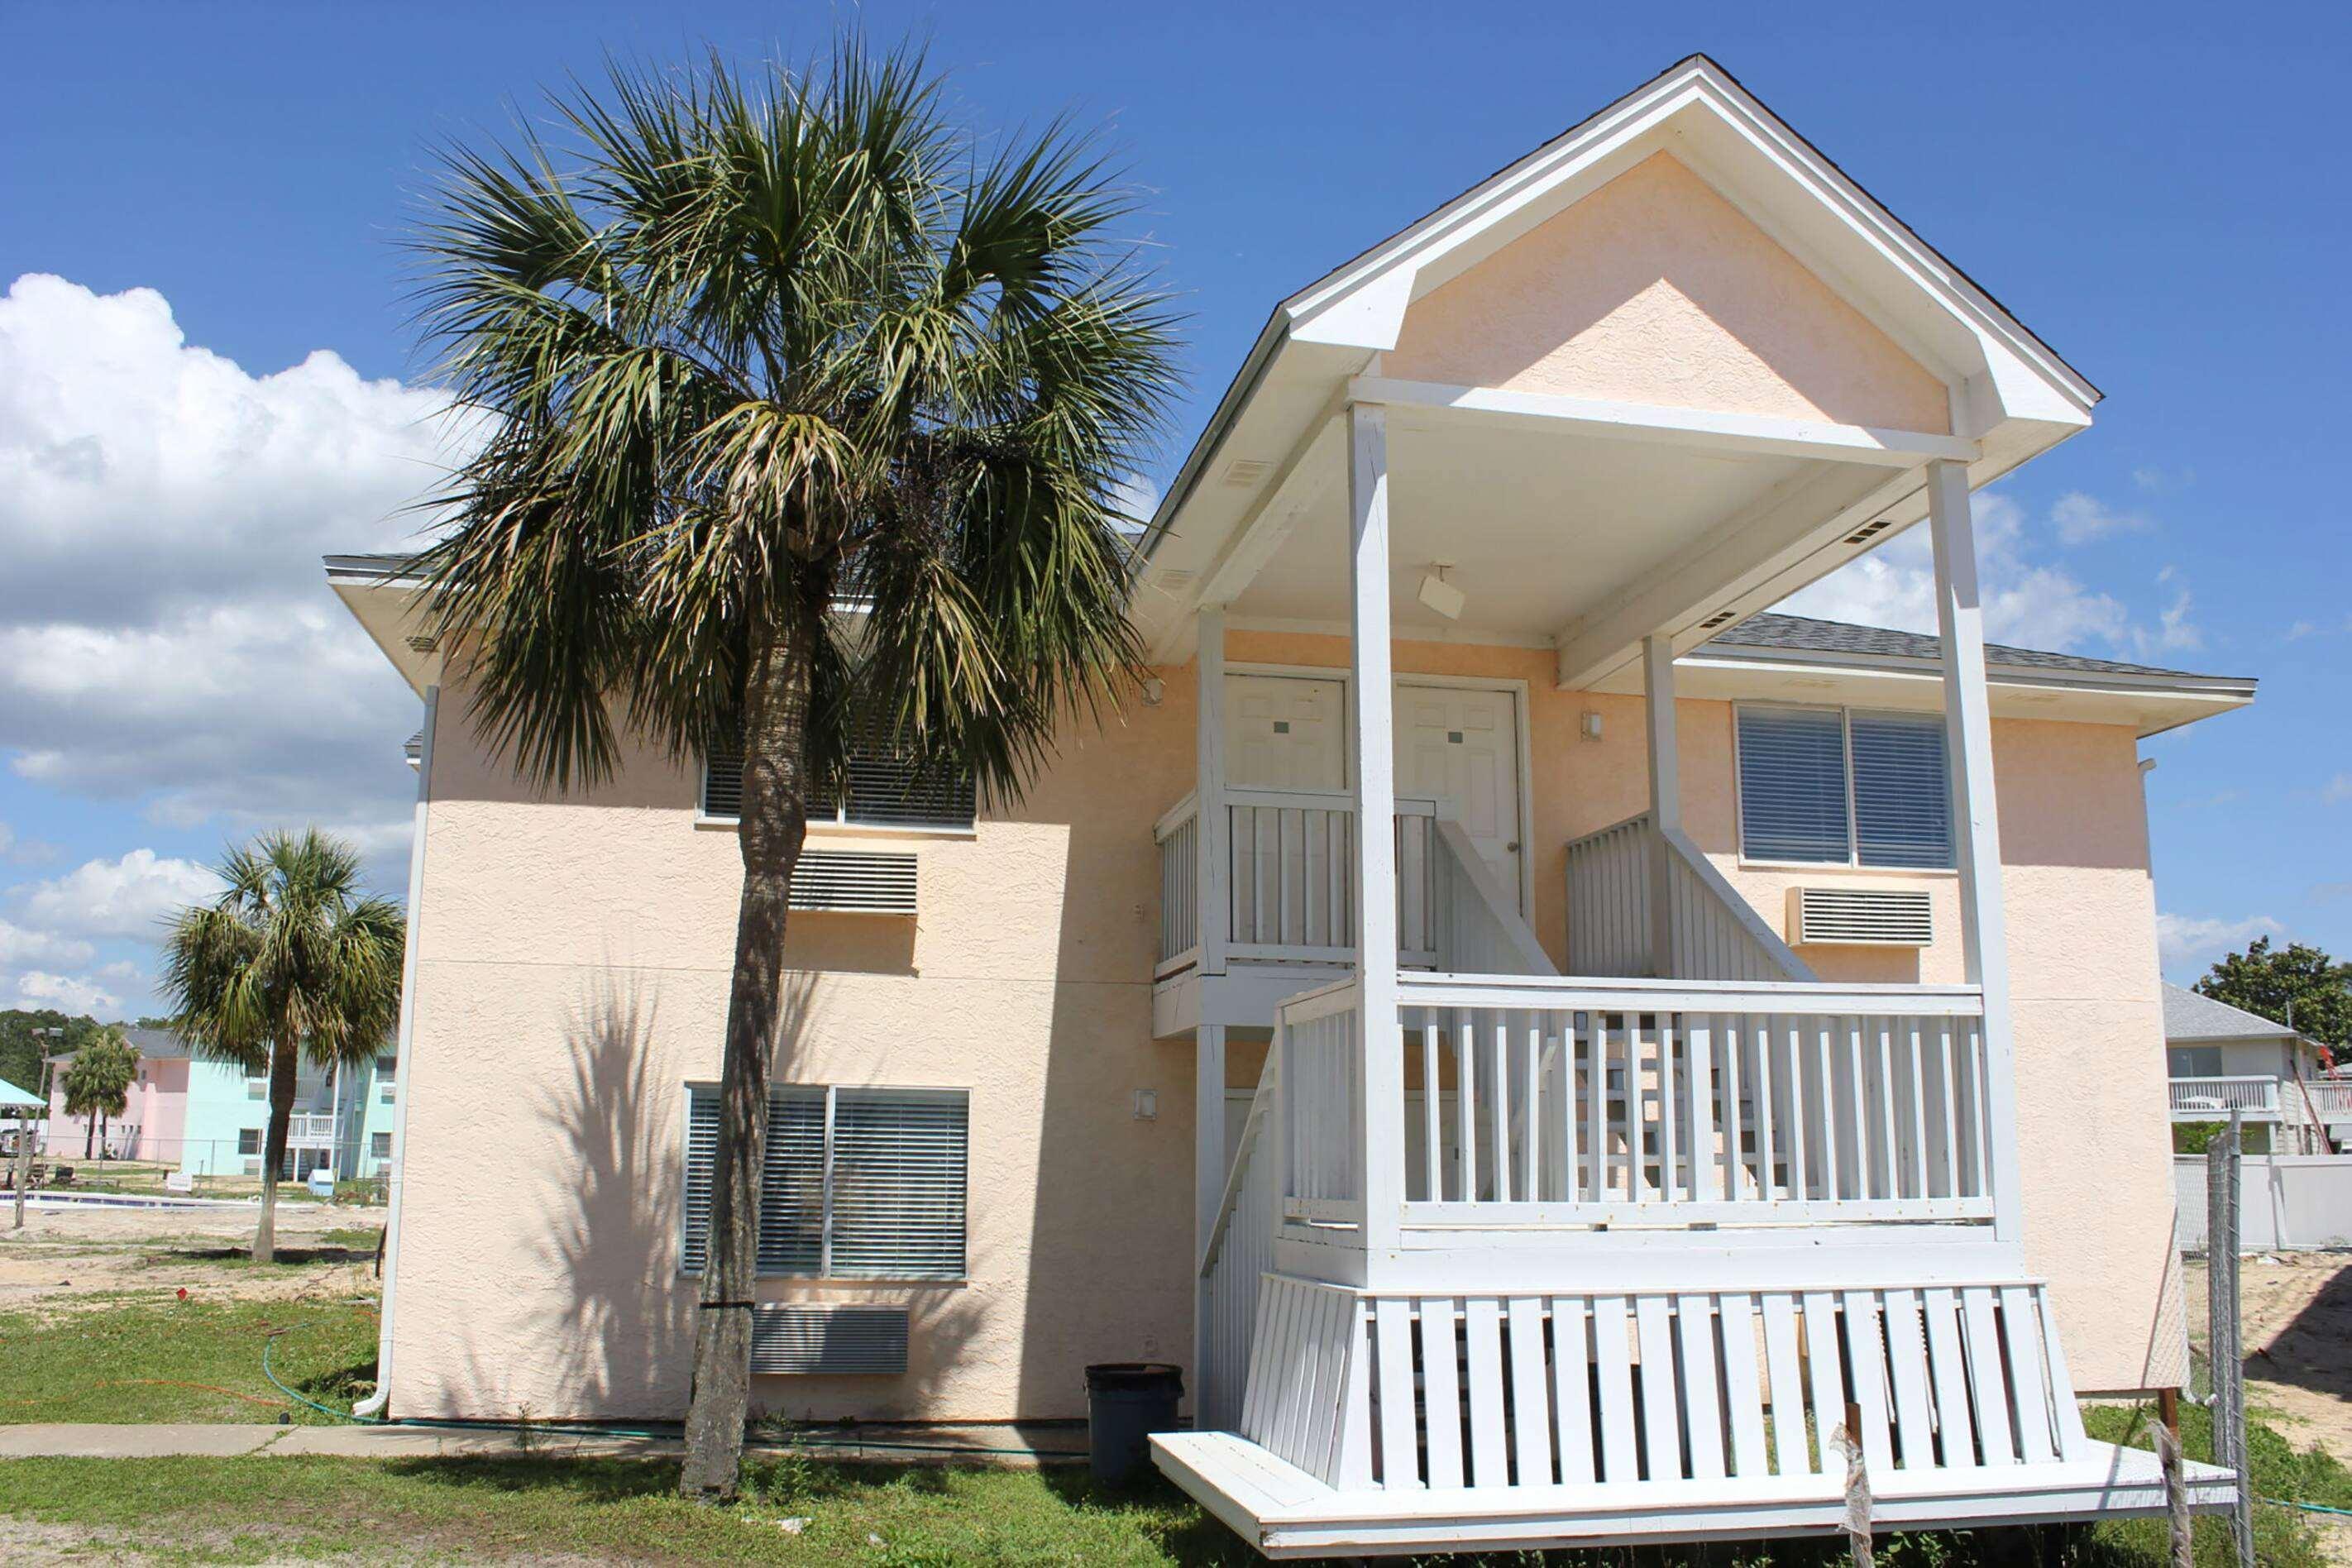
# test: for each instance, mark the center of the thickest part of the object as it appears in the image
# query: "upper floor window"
(859, 1183)
(884, 791)
(1844, 787)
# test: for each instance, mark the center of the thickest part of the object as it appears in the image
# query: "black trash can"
(1127, 1400)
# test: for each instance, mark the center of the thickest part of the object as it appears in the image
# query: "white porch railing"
(1580, 1102)
(1238, 1254)
(2212, 1099)
(310, 1128)
(2331, 1100)
(1286, 895)
(1716, 933)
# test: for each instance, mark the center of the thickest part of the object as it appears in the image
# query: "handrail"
(1176, 815)
(1237, 1170)
(1499, 903)
(1609, 993)
(1742, 912)
(1637, 819)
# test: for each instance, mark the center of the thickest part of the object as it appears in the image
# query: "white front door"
(1284, 731)
(1459, 746)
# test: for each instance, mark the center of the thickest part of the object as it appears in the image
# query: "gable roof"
(2193, 1016)
(1805, 634)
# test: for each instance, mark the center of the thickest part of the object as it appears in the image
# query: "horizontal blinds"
(1793, 795)
(898, 1184)
(1902, 792)
(884, 791)
(896, 1180)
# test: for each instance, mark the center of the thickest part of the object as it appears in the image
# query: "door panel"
(1283, 732)
(1461, 746)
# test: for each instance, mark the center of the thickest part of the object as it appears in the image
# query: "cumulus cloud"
(66, 992)
(2337, 790)
(22, 947)
(2028, 601)
(2193, 941)
(2081, 517)
(166, 634)
(129, 897)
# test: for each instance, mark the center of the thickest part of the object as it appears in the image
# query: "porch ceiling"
(1543, 527)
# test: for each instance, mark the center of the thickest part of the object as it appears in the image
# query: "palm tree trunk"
(273, 1147)
(88, 1134)
(101, 1135)
(774, 823)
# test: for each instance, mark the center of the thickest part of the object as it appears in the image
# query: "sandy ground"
(67, 1257)
(2297, 1313)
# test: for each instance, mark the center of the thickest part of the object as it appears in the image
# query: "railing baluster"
(1432, 1168)
(1465, 1105)
(1918, 1115)
(1669, 1091)
(1531, 1119)
(1801, 1169)
(1699, 1041)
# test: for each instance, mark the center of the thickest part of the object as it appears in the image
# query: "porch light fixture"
(1440, 594)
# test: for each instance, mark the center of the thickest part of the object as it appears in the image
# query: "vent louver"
(840, 1340)
(1861, 917)
(855, 882)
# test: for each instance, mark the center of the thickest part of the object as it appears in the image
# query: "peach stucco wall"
(1657, 289)
(571, 978)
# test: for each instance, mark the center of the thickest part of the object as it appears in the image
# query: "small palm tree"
(293, 961)
(98, 1085)
(808, 419)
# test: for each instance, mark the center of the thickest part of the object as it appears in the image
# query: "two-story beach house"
(1547, 1045)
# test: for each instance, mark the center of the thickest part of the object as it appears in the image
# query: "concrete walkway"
(948, 1445)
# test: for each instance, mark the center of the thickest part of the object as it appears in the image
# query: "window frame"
(840, 822)
(1853, 860)
(823, 1273)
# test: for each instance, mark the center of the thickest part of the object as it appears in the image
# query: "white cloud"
(2029, 602)
(129, 897)
(2081, 517)
(2193, 941)
(21, 946)
(165, 632)
(65, 992)
(2337, 790)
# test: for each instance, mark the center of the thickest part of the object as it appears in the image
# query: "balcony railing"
(1286, 895)
(1713, 933)
(2212, 1099)
(1575, 1102)
(310, 1128)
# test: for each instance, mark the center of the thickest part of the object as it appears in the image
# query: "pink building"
(152, 1122)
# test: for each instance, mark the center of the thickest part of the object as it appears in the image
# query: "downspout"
(404, 1050)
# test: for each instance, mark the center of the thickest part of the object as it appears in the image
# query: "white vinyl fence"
(2288, 1200)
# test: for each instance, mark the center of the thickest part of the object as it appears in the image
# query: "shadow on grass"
(286, 1257)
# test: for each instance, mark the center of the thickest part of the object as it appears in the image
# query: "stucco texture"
(1655, 289)
(571, 980)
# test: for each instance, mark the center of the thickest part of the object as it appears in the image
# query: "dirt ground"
(2297, 1313)
(65, 1257)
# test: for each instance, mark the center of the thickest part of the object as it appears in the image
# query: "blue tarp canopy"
(15, 1099)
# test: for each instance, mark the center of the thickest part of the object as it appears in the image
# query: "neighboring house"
(2222, 1059)
(209, 1117)
(1692, 987)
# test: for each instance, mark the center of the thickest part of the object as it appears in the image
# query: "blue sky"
(2160, 197)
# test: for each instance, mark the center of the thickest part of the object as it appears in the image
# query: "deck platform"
(1285, 1512)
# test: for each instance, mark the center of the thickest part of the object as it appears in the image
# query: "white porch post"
(1371, 688)
(1208, 1185)
(1214, 911)
(1976, 819)
(1665, 797)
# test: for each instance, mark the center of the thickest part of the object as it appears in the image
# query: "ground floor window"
(249, 1140)
(379, 1145)
(859, 1183)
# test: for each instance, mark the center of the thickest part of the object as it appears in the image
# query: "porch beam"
(1371, 699)
(1305, 470)
(1796, 522)
(1665, 797)
(1976, 821)
(1753, 434)
(1213, 914)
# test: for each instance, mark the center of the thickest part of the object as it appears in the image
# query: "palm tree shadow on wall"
(603, 1325)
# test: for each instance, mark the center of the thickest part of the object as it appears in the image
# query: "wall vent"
(1870, 530)
(1246, 471)
(855, 882)
(842, 1340)
(1720, 618)
(423, 644)
(1861, 917)
(1174, 577)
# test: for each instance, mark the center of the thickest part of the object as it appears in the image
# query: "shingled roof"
(2193, 1016)
(1803, 634)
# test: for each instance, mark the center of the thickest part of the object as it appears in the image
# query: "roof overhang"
(1268, 458)
(386, 596)
(2150, 704)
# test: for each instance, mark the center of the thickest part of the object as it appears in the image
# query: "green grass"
(2283, 1537)
(142, 1360)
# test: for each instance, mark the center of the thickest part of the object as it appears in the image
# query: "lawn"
(195, 1360)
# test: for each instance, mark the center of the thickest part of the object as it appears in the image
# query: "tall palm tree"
(293, 961)
(808, 413)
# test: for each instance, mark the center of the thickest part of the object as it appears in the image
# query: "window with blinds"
(1834, 786)
(884, 791)
(859, 1183)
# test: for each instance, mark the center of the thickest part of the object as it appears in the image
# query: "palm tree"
(293, 961)
(98, 1085)
(807, 420)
